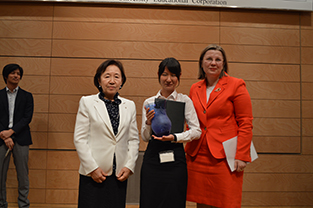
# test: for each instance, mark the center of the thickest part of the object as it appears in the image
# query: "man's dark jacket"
(23, 113)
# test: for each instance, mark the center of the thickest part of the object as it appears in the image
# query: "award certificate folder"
(175, 110)
(230, 147)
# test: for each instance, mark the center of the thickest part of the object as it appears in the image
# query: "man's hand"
(5, 134)
(9, 143)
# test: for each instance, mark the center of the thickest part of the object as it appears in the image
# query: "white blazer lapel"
(103, 113)
(123, 113)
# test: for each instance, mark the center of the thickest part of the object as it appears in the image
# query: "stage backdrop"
(301, 5)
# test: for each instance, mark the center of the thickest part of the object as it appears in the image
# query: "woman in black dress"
(163, 181)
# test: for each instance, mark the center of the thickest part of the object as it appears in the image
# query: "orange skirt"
(211, 182)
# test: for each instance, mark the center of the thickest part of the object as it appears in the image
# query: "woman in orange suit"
(224, 110)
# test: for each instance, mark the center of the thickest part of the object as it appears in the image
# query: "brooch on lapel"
(217, 90)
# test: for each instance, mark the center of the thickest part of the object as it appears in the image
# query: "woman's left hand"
(169, 137)
(240, 165)
(124, 174)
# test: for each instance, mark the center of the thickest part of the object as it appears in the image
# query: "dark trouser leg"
(20, 155)
(4, 166)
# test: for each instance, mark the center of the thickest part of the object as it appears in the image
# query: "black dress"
(163, 185)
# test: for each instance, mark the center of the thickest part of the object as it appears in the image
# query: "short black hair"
(101, 69)
(7, 69)
(172, 65)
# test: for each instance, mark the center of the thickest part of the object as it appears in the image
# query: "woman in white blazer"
(106, 140)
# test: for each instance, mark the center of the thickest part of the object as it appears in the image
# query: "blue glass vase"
(160, 124)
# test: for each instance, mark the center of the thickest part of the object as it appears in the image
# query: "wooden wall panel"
(33, 84)
(55, 196)
(143, 145)
(40, 140)
(307, 127)
(12, 194)
(39, 122)
(260, 36)
(276, 127)
(307, 92)
(189, 70)
(25, 47)
(130, 50)
(307, 73)
(135, 32)
(37, 159)
(263, 54)
(36, 84)
(38, 179)
(306, 55)
(307, 145)
(75, 67)
(31, 65)
(281, 163)
(61, 122)
(64, 103)
(259, 18)
(307, 111)
(276, 108)
(25, 29)
(36, 195)
(273, 199)
(11, 178)
(2, 85)
(62, 179)
(306, 38)
(306, 19)
(61, 140)
(133, 68)
(145, 15)
(273, 90)
(41, 103)
(265, 72)
(149, 68)
(24, 11)
(62, 160)
(151, 87)
(72, 86)
(278, 182)
(278, 144)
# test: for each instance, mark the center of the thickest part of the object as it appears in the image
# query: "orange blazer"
(227, 114)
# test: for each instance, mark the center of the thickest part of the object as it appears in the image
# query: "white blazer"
(95, 141)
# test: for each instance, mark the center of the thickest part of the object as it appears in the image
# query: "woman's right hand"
(98, 175)
(149, 115)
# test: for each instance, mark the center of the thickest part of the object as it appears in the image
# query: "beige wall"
(60, 46)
